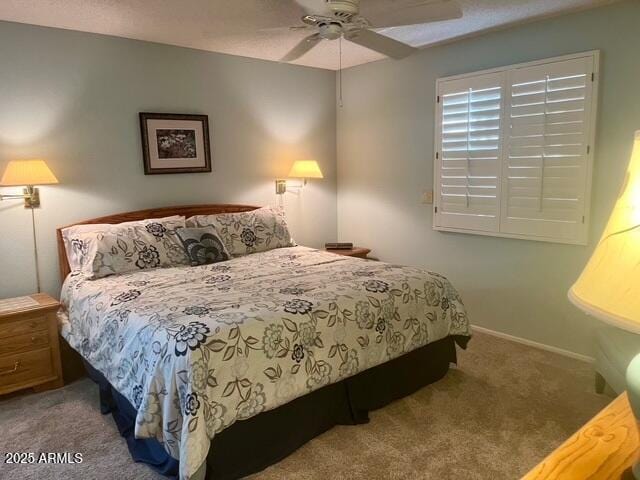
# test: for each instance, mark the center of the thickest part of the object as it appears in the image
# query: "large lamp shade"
(27, 172)
(305, 169)
(609, 286)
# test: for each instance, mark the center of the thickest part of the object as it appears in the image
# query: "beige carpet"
(493, 417)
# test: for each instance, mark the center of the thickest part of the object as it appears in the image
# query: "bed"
(221, 370)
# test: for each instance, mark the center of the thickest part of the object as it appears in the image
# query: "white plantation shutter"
(470, 116)
(547, 136)
(514, 150)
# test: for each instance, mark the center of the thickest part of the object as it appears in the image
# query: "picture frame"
(175, 143)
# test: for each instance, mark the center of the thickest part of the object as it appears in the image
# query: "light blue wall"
(73, 99)
(385, 161)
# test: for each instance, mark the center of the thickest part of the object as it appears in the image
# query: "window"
(514, 150)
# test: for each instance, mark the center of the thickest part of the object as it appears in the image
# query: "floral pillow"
(203, 246)
(129, 248)
(76, 248)
(248, 232)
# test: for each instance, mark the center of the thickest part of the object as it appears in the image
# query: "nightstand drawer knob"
(10, 371)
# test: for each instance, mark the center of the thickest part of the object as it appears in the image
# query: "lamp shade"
(609, 286)
(27, 172)
(305, 169)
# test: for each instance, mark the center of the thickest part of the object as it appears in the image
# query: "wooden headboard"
(187, 211)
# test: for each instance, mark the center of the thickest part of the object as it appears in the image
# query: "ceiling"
(254, 28)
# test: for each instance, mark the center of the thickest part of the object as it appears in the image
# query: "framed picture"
(175, 143)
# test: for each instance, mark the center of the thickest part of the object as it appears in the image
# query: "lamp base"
(633, 392)
(281, 187)
(31, 197)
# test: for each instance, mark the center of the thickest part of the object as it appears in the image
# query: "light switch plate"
(427, 197)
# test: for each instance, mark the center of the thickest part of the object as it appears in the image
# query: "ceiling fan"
(334, 19)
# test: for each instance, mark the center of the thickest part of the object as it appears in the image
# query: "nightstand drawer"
(24, 343)
(25, 367)
(29, 348)
(24, 326)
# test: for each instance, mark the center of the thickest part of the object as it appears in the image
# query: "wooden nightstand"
(29, 347)
(359, 252)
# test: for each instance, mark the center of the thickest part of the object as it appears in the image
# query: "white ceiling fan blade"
(413, 13)
(385, 45)
(285, 30)
(301, 48)
(315, 7)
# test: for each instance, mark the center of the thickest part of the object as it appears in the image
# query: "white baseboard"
(531, 343)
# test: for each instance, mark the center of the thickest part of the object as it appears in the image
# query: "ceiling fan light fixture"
(331, 31)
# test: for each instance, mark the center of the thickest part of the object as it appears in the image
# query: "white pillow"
(76, 238)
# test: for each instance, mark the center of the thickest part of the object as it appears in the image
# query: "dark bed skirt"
(271, 436)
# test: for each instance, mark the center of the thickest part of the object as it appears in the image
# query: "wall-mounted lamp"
(28, 173)
(302, 169)
(305, 169)
(281, 187)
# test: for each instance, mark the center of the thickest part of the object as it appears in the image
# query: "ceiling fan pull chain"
(340, 71)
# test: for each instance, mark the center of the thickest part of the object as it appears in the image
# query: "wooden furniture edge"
(351, 251)
(46, 303)
(54, 337)
(37, 385)
(604, 447)
(184, 210)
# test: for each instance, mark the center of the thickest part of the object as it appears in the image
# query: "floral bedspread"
(196, 349)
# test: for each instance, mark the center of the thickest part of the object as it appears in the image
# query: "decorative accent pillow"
(203, 246)
(248, 232)
(122, 248)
